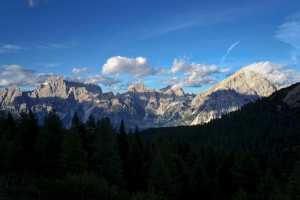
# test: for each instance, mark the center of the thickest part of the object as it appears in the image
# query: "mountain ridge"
(139, 106)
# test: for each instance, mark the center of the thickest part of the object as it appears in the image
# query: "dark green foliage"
(160, 178)
(293, 185)
(106, 161)
(199, 181)
(73, 156)
(122, 142)
(249, 154)
(268, 187)
(83, 186)
(136, 173)
(6, 153)
(50, 143)
(240, 195)
(26, 142)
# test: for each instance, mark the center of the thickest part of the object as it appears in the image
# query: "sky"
(191, 44)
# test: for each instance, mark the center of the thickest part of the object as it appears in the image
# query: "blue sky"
(191, 44)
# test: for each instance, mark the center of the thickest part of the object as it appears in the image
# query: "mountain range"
(139, 106)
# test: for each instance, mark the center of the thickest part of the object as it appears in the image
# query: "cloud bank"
(10, 48)
(138, 67)
(16, 74)
(193, 74)
(275, 73)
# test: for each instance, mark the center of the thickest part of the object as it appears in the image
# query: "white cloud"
(32, 3)
(80, 70)
(138, 66)
(194, 74)
(57, 45)
(179, 65)
(97, 79)
(10, 48)
(16, 74)
(275, 73)
(289, 32)
(50, 65)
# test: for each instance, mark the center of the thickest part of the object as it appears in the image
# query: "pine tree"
(91, 135)
(293, 185)
(51, 143)
(91, 131)
(198, 183)
(73, 156)
(78, 126)
(268, 187)
(123, 148)
(10, 127)
(105, 159)
(28, 133)
(136, 164)
(160, 178)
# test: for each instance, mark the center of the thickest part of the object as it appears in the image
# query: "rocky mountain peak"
(168, 106)
(54, 80)
(139, 87)
(54, 86)
(292, 98)
(240, 88)
(13, 92)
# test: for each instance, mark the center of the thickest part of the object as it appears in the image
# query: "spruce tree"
(73, 156)
(105, 159)
(51, 143)
(136, 164)
(122, 142)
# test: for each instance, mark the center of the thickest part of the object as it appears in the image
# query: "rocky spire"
(140, 87)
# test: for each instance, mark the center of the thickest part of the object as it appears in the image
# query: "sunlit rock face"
(229, 95)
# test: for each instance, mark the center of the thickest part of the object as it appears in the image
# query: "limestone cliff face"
(292, 98)
(140, 106)
(230, 94)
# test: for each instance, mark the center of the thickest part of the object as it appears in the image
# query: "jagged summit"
(240, 88)
(139, 87)
(54, 80)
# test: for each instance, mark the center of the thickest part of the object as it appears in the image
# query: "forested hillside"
(252, 153)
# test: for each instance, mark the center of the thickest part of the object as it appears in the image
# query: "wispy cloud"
(289, 32)
(10, 48)
(55, 64)
(232, 46)
(32, 3)
(55, 46)
(81, 70)
(16, 74)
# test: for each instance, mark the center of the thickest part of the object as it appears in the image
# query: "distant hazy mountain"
(139, 106)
